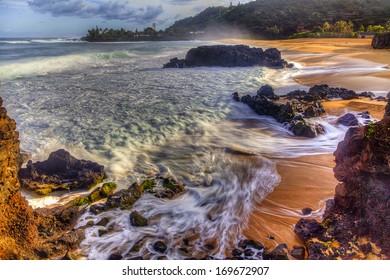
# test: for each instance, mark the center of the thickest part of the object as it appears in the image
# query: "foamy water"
(114, 104)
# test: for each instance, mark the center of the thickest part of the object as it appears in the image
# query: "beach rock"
(381, 41)
(298, 253)
(364, 115)
(267, 91)
(103, 222)
(236, 96)
(279, 253)
(176, 63)
(300, 95)
(255, 244)
(360, 209)
(315, 110)
(229, 56)
(114, 256)
(381, 98)
(387, 110)
(125, 199)
(348, 120)
(306, 211)
(61, 171)
(243, 243)
(160, 246)
(368, 94)
(137, 220)
(236, 252)
(301, 127)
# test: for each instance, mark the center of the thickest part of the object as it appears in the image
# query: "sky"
(72, 18)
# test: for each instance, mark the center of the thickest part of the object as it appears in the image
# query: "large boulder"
(357, 217)
(61, 171)
(348, 120)
(315, 110)
(229, 56)
(267, 91)
(381, 41)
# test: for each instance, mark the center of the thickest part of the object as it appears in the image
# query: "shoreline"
(309, 181)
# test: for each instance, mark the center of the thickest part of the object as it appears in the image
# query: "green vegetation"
(99, 34)
(282, 18)
(341, 29)
(370, 130)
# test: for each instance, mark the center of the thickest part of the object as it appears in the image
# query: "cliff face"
(18, 228)
(26, 233)
(359, 215)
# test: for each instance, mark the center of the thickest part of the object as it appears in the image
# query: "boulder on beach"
(381, 41)
(61, 171)
(348, 120)
(229, 56)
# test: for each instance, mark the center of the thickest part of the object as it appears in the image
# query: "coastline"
(309, 181)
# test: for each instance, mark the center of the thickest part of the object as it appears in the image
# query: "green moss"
(94, 195)
(370, 130)
(44, 190)
(107, 189)
(172, 186)
(135, 249)
(80, 201)
(148, 184)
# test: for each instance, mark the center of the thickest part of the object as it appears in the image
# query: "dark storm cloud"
(110, 10)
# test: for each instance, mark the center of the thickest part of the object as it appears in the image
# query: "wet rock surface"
(356, 223)
(381, 41)
(61, 171)
(229, 56)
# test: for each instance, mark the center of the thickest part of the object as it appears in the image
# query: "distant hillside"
(282, 18)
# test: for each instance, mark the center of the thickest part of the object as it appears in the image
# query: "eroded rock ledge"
(356, 223)
(229, 56)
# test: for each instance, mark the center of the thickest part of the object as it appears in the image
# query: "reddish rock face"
(359, 213)
(18, 228)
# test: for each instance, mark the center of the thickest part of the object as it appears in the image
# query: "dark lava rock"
(380, 98)
(248, 252)
(387, 110)
(255, 245)
(364, 115)
(98, 208)
(348, 120)
(236, 96)
(177, 63)
(267, 91)
(102, 232)
(381, 41)
(209, 247)
(236, 252)
(229, 56)
(308, 228)
(243, 243)
(136, 219)
(61, 171)
(301, 127)
(125, 199)
(160, 246)
(114, 256)
(279, 253)
(298, 253)
(306, 211)
(315, 110)
(368, 94)
(103, 222)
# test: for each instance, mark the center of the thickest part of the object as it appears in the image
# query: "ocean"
(114, 104)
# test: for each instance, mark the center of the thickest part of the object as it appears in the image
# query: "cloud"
(109, 10)
(181, 2)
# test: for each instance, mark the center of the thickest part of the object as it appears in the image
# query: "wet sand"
(350, 63)
(309, 181)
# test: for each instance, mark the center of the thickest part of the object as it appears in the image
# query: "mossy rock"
(171, 185)
(107, 189)
(44, 190)
(80, 201)
(94, 195)
(136, 219)
(148, 184)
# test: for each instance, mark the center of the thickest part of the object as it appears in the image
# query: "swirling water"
(114, 104)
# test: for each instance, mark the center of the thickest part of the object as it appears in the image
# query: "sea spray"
(213, 210)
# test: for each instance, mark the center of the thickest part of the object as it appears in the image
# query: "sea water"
(114, 104)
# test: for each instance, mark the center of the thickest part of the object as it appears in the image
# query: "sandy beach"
(309, 181)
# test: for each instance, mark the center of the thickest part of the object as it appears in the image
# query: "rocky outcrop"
(229, 56)
(26, 233)
(381, 41)
(322, 92)
(348, 120)
(290, 112)
(18, 225)
(61, 171)
(161, 187)
(356, 220)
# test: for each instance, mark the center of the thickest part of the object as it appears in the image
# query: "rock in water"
(160, 246)
(267, 91)
(137, 220)
(61, 171)
(229, 56)
(381, 41)
(348, 120)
